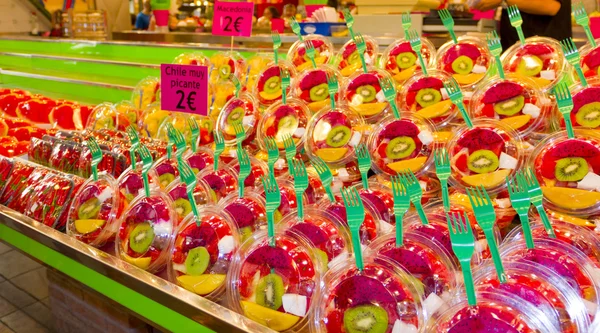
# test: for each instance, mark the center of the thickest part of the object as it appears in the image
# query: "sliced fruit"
(141, 237)
(317, 106)
(236, 115)
(442, 136)
(201, 284)
(88, 226)
(436, 110)
(332, 154)
(197, 261)
(510, 106)
(370, 109)
(89, 209)
(183, 207)
(468, 78)
(573, 220)
(367, 92)
(405, 74)
(488, 180)
(287, 124)
(541, 82)
(414, 164)
(350, 69)
(406, 60)
(589, 115)
(366, 318)
(165, 179)
(428, 97)
(571, 169)
(319, 92)
(143, 262)
(530, 65)
(272, 85)
(571, 198)
(269, 291)
(482, 161)
(400, 147)
(517, 122)
(462, 65)
(275, 320)
(338, 136)
(270, 96)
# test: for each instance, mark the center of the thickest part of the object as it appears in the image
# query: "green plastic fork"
(416, 45)
(448, 22)
(273, 197)
(582, 18)
(361, 46)
(285, 82)
(411, 183)
(456, 96)
(96, 156)
(290, 148)
(463, 246)
(146, 166)
(325, 175)
(276, 45)
(190, 180)
(349, 22)
(516, 21)
(195, 133)
(495, 46)
(390, 93)
(355, 212)
(572, 54)
(236, 83)
(565, 106)
(177, 138)
(310, 52)
(406, 23)
(273, 154)
(364, 163)
(135, 143)
(219, 148)
(298, 171)
(519, 197)
(537, 199)
(486, 217)
(296, 28)
(401, 207)
(333, 87)
(240, 134)
(245, 168)
(442, 170)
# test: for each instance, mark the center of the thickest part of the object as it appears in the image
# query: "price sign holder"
(184, 88)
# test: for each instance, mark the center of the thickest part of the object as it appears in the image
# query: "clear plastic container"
(348, 58)
(586, 102)
(95, 211)
(289, 202)
(364, 94)
(202, 254)
(225, 63)
(280, 120)
(242, 109)
(381, 198)
(267, 87)
(484, 155)
(590, 65)
(258, 168)
(468, 61)
(167, 170)
(192, 58)
(400, 144)
(6, 167)
(248, 213)
(311, 87)
(146, 92)
(202, 159)
(324, 51)
(151, 119)
(401, 62)
(566, 169)
(333, 134)
(50, 199)
(540, 59)
(256, 63)
(146, 232)
(17, 182)
(222, 182)
(131, 183)
(219, 93)
(381, 296)
(369, 229)
(315, 191)
(130, 111)
(429, 184)
(177, 190)
(105, 115)
(276, 286)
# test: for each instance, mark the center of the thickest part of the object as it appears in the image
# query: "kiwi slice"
(338, 136)
(428, 96)
(183, 207)
(462, 65)
(530, 66)
(272, 85)
(166, 179)
(367, 92)
(354, 58)
(571, 169)
(510, 106)
(207, 124)
(236, 115)
(483, 161)
(366, 319)
(589, 115)
(405, 60)
(269, 291)
(400, 147)
(224, 71)
(287, 124)
(319, 92)
(197, 261)
(141, 237)
(89, 209)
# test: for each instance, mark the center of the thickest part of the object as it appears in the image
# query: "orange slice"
(468, 78)
(270, 96)
(405, 74)
(571, 198)
(201, 284)
(275, 320)
(487, 179)
(317, 106)
(143, 262)
(414, 164)
(332, 154)
(517, 122)
(370, 109)
(436, 110)
(88, 226)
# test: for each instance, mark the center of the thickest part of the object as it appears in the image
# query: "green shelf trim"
(132, 300)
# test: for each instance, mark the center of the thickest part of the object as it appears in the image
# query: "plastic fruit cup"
(297, 52)
(225, 64)
(315, 191)
(288, 198)
(590, 61)
(505, 213)
(268, 83)
(311, 87)
(431, 187)
(258, 168)
(380, 298)
(484, 155)
(131, 183)
(221, 182)
(369, 229)
(381, 198)
(192, 58)
(333, 135)
(182, 205)
(403, 144)
(151, 119)
(567, 170)
(275, 285)
(327, 234)
(256, 63)
(401, 62)
(146, 232)
(146, 92)
(207, 126)
(348, 57)
(167, 170)
(219, 94)
(202, 254)
(586, 102)
(95, 211)
(467, 61)
(106, 116)
(248, 213)
(201, 159)
(244, 110)
(364, 95)
(540, 59)
(427, 97)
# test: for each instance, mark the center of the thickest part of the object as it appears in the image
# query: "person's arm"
(537, 7)
(485, 5)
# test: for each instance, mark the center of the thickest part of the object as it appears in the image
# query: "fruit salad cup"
(151, 120)
(430, 185)
(131, 183)
(130, 111)
(146, 92)
(289, 203)
(297, 52)
(567, 170)
(586, 105)
(516, 102)
(244, 110)
(182, 205)
(105, 115)
(505, 213)
(381, 198)
(202, 254)
(468, 61)
(256, 64)
(348, 57)
(192, 58)
(146, 232)
(484, 155)
(203, 158)
(276, 286)
(364, 95)
(369, 229)
(268, 83)
(219, 93)
(166, 170)
(311, 87)
(401, 62)
(315, 191)
(95, 211)
(540, 59)
(382, 297)
(221, 182)
(248, 213)
(225, 64)
(258, 168)
(590, 61)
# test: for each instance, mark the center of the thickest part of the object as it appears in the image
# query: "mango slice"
(317, 106)
(517, 122)
(571, 219)
(318, 60)
(88, 226)
(468, 78)
(487, 179)
(405, 74)
(571, 198)
(370, 109)
(142, 262)
(442, 136)
(414, 164)
(201, 284)
(332, 154)
(275, 320)
(436, 110)
(351, 69)
(270, 96)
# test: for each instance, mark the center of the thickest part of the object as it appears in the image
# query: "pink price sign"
(184, 88)
(233, 18)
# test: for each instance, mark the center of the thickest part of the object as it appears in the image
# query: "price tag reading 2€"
(184, 88)
(233, 18)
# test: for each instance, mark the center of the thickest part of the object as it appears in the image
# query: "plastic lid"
(166, 170)
(248, 213)
(468, 61)
(586, 101)
(364, 95)
(258, 168)
(267, 86)
(106, 116)
(401, 62)
(381, 198)
(151, 120)
(146, 92)
(311, 87)
(348, 59)
(369, 229)
(182, 205)
(323, 52)
(221, 182)
(130, 111)
(192, 58)
(203, 158)
(280, 120)
(131, 183)
(243, 109)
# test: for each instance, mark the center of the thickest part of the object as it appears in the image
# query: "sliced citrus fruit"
(571, 198)
(317, 106)
(468, 78)
(414, 164)
(487, 179)
(142, 262)
(517, 122)
(436, 110)
(370, 109)
(201, 284)
(332, 154)
(275, 320)
(88, 226)
(405, 74)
